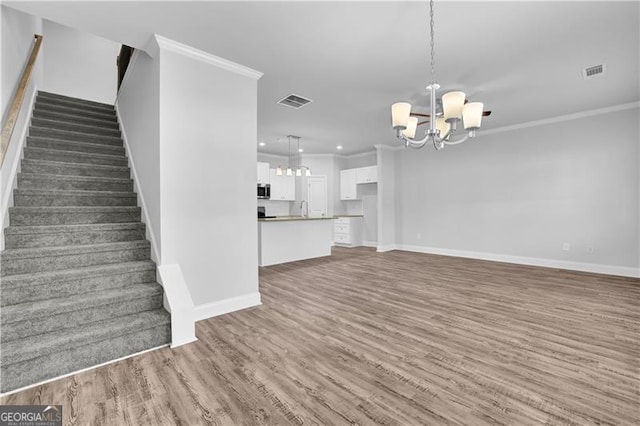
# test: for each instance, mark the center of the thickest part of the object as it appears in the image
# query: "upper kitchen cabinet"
(350, 178)
(283, 188)
(348, 184)
(367, 174)
(263, 173)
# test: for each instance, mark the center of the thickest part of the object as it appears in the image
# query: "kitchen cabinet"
(367, 174)
(283, 188)
(263, 173)
(347, 231)
(348, 184)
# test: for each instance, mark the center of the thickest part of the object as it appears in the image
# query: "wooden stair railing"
(16, 103)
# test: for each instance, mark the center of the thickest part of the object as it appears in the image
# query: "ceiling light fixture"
(290, 170)
(441, 126)
(262, 144)
(339, 147)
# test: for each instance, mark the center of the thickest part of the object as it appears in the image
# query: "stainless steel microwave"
(264, 191)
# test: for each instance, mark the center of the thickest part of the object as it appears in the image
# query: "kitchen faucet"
(306, 212)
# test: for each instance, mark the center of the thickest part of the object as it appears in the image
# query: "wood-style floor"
(387, 338)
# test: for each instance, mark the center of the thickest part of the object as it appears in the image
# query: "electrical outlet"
(590, 249)
(419, 236)
(566, 246)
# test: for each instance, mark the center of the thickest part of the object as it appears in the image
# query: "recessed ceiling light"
(262, 144)
(339, 147)
(300, 150)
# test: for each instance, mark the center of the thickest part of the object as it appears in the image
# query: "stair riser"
(34, 219)
(65, 135)
(67, 361)
(77, 119)
(74, 157)
(75, 112)
(55, 96)
(74, 170)
(40, 100)
(61, 184)
(75, 127)
(70, 287)
(54, 263)
(72, 238)
(21, 200)
(32, 327)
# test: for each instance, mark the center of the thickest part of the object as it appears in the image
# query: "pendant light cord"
(433, 55)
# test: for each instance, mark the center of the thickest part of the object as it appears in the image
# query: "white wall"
(138, 107)
(79, 64)
(16, 41)
(208, 134)
(17, 31)
(525, 192)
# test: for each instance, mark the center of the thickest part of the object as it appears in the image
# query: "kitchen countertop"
(290, 218)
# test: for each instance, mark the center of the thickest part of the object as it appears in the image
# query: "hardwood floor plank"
(390, 338)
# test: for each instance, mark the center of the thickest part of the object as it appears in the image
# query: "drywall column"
(208, 134)
(386, 197)
(17, 39)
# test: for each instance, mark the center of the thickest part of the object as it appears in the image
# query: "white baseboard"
(531, 261)
(155, 251)
(386, 247)
(81, 371)
(232, 304)
(370, 243)
(16, 147)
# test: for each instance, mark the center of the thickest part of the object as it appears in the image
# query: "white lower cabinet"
(347, 231)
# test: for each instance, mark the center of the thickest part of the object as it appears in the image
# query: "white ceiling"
(354, 59)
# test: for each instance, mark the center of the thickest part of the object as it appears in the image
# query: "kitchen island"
(289, 238)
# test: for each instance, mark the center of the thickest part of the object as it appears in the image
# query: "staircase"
(77, 286)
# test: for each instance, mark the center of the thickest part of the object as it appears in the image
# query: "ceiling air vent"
(593, 71)
(294, 101)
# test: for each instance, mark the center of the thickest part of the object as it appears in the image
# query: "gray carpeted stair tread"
(39, 252)
(74, 146)
(77, 111)
(65, 275)
(46, 123)
(71, 183)
(71, 215)
(17, 261)
(109, 123)
(46, 197)
(77, 157)
(70, 360)
(50, 343)
(43, 100)
(74, 169)
(75, 136)
(54, 306)
(72, 235)
(50, 95)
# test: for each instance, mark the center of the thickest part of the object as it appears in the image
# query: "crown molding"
(202, 56)
(561, 118)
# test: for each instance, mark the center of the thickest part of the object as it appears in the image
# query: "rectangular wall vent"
(593, 71)
(294, 101)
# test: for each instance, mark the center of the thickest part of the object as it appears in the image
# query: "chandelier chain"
(433, 57)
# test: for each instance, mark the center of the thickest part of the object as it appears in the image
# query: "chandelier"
(442, 126)
(298, 170)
